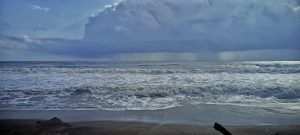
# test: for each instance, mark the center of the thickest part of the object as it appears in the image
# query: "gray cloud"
(4, 26)
(38, 28)
(176, 26)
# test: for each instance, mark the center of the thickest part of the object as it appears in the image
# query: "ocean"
(120, 86)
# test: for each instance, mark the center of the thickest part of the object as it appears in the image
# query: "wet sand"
(31, 127)
(190, 114)
(185, 120)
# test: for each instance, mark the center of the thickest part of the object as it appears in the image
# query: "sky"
(149, 30)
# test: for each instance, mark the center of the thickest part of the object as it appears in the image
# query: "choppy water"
(147, 85)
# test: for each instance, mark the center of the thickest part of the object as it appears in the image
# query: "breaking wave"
(156, 68)
(147, 86)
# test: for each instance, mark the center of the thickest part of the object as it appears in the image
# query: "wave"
(273, 69)
(148, 97)
(147, 85)
(198, 91)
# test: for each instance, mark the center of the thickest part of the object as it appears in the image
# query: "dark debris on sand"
(222, 129)
(20, 127)
(56, 126)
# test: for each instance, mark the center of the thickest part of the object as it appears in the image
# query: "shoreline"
(186, 120)
(28, 127)
(189, 115)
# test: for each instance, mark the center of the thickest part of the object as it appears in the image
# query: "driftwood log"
(220, 128)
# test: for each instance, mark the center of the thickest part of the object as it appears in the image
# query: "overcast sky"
(150, 30)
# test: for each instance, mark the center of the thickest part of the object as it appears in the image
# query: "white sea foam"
(147, 85)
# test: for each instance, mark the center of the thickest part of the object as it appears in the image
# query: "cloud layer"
(177, 26)
(196, 25)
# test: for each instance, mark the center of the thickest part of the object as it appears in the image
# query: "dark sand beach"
(188, 120)
(30, 127)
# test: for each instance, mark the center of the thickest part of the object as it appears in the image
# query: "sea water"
(119, 86)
